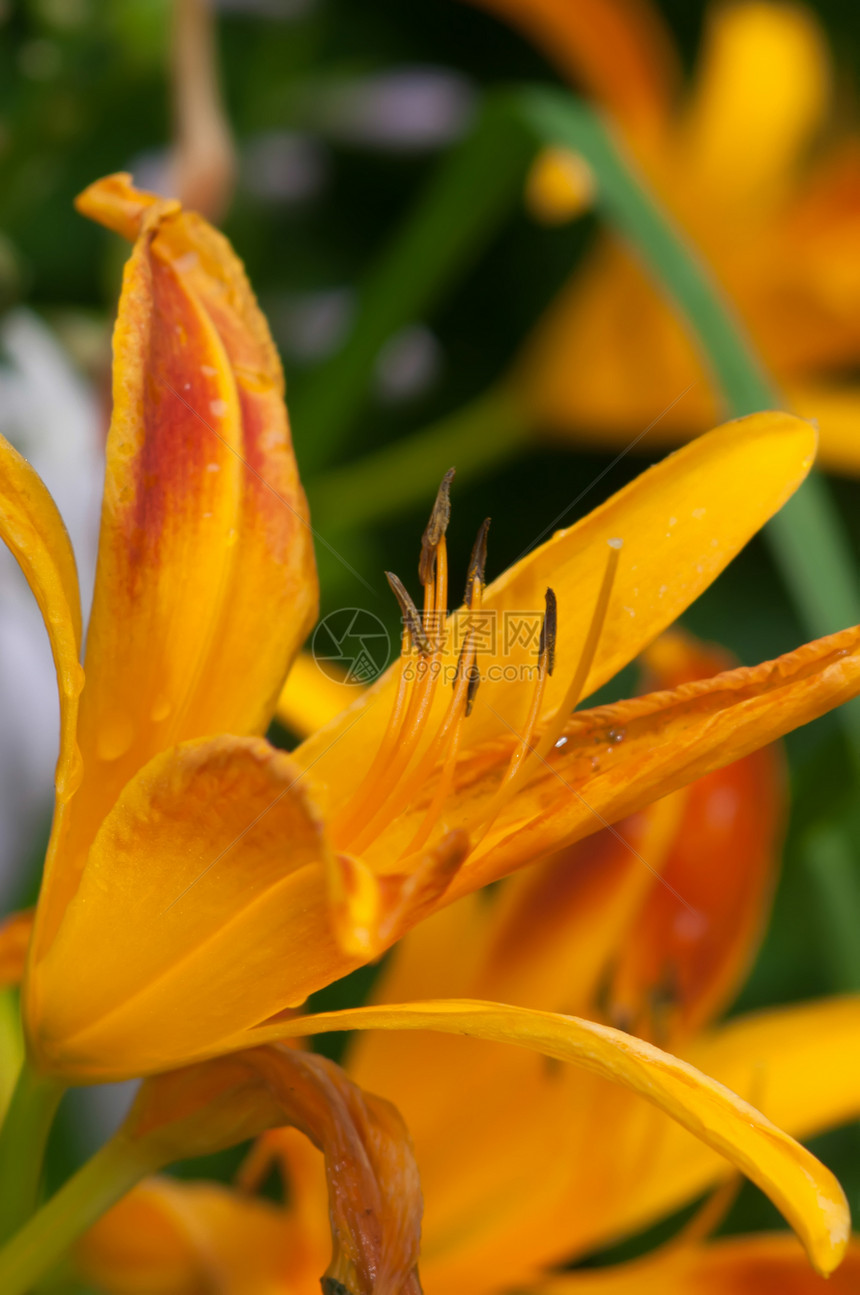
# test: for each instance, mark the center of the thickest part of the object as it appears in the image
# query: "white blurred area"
(50, 414)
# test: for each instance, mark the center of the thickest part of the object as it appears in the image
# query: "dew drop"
(161, 709)
(218, 407)
(114, 736)
(188, 261)
(595, 763)
(616, 735)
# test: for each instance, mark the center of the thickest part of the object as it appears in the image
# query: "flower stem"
(806, 537)
(22, 1146)
(466, 199)
(480, 435)
(34, 1251)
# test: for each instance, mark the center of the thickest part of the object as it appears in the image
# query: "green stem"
(468, 197)
(478, 436)
(34, 1251)
(22, 1146)
(830, 859)
(806, 537)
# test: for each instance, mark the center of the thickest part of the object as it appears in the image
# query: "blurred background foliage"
(342, 112)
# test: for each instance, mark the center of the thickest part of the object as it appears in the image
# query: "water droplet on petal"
(161, 709)
(115, 736)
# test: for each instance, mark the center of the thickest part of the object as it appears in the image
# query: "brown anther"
(474, 681)
(435, 529)
(548, 630)
(477, 562)
(409, 611)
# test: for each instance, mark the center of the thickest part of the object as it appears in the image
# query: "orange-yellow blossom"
(740, 160)
(199, 883)
(526, 1165)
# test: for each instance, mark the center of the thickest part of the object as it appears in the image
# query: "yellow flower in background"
(525, 1165)
(741, 158)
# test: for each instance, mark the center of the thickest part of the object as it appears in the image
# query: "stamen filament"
(343, 822)
(443, 786)
(526, 755)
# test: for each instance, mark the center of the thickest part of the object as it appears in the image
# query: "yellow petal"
(802, 1188)
(617, 759)
(191, 918)
(681, 523)
(761, 91)
(797, 1064)
(765, 1264)
(205, 585)
(313, 697)
(33, 530)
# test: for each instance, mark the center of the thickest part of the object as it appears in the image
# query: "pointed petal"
(32, 528)
(765, 1264)
(837, 412)
(621, 51)
(205, 584)
(761, 92)
(797, 1064)
(802, 1188)
(681, 523)
(617, 759)
(191, 918)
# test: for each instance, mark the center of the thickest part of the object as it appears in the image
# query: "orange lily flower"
(199, 885)
(526, 1165)
(729, 159)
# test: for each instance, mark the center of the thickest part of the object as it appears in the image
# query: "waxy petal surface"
(209, 855)
(619, 758)
(206, 583)
(32, 528)
(681, 522)
(797, 1064)
(802, 1188)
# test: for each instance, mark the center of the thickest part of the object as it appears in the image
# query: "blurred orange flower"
(743, 161)
(527, 1165)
